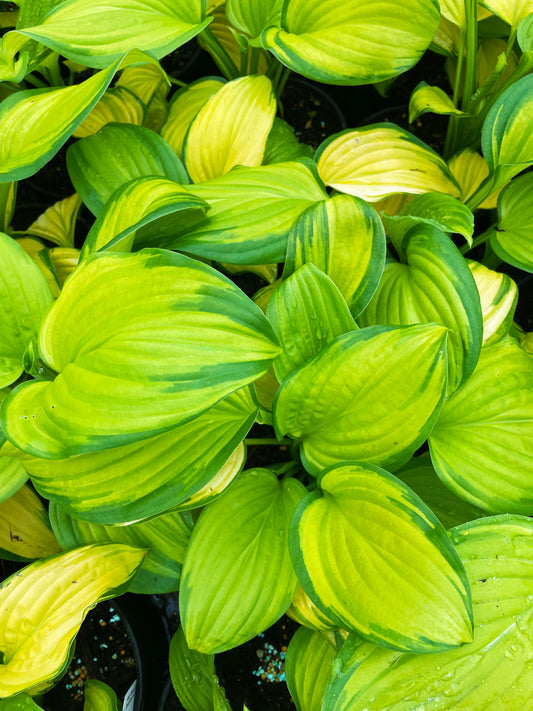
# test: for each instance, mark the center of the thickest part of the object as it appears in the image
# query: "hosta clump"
(384, 359)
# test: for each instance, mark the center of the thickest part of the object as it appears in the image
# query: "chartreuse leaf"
(359, 42)
(36, 250)
(64, 260)
(148, 477)
(420, 476)
(19, 702)
(150, 201)
(251, 16)
(26, 298)
(96, 33)
(12, 474)
(382, 159)
(251, 212)
(304, 611)
(436, 286)
(28, 139)
(509, 10)
(165, 536)
(492, 672)
(436, 209)
(506, 140)
(150, 85)
(470, 170)
(192, 674)
(372, 555)
(100, 164)
(343, 236)
(282, 144)
(142, 343)
(307, 311)
(480, 445)
(499, 295)
(231, 128)
(432, 99)
(342, 410)
(24, 527)
(239, 545)
(58, 223)
(310, 656)
(184, 106)
(511, 238)
(8, 196)
(44, 605)
(99, 696)
(117, 105)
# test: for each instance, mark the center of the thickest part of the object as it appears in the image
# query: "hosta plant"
(145, 395)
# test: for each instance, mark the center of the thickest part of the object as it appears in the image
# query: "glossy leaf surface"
(512, 238)
(44, 605)
(24, 526)
(26, 298)
(358, 42)
(307, 311)
(380, 160)
(192, 674)
(310, 656)
(435, 286)
(166, 538)
(231, 128)
(370, 553)
(490, 673)
(239, 545)
(97, 32)
(99, 696)
(151, 476)
(100, 164)
(58, 223)
(344, 237)
(122, 376)
(343, 412)
(431, 99)
(480, 445)
(498, 294)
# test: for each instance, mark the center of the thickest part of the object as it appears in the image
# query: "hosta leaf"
(343, 411)
(251, 16)
(512, 11)
(490, 673)
(310, 656)
(511, 238)
(149, 84)
(19, 702)
(480, 445)
(12, 474)
(26, 298)
(151, 476)
(251, 212)
(117, 105)
(64, 260)
(420, 476)
(8, 196)
(506, 140)
(231, 128)
(97, 32)
(307, 311)
(58, 223)
(430, 99)
(282, 144)
(27, 137)
(166, 538)
(343, 236)
(158, 203)
(358, 42)
(186, 103)
(122, 375)
(499, 295)
(369, 552)
(35, 249)
(44, 605)
(24, 527)
(382, 159)
(100, 164)
(435, 286)
(192, 674)
(304, 611)
(235, 585)
(470, 169)
(436, 209)
(99, 696)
